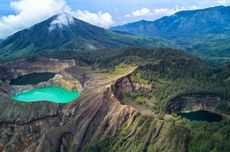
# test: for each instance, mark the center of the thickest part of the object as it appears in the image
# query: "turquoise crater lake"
(51, 94)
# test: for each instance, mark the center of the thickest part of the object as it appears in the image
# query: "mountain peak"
(61, 20)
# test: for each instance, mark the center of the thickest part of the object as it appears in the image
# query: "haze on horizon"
(16, 15)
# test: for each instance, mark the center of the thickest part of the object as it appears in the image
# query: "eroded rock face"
(22, 124)
(6, 73)
(145, 87)
(20, 137)
(125, 84)
(23, 113)
(97, 116)
(195, 103)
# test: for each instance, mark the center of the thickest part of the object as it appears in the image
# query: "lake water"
(52, 94)
(33, 78)
(202, 116)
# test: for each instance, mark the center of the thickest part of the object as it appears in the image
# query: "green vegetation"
(151, 134)
(212, 47)
(138, 78)
(140, 97)
(172, 80)
(119, 69)
(121, 142)
(210, 137)
(173, 73)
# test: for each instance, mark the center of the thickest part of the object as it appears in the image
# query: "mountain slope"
(64, 32)
(210, 20)
(204, 32)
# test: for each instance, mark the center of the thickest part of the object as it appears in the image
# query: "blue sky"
(4, 8)
(16, 15)
(119, 8)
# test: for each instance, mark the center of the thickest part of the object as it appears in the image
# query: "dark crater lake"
(201, 116)
(33, 78)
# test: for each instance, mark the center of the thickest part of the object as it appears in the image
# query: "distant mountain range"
(204, 32)
(65, 33)
(194, 22)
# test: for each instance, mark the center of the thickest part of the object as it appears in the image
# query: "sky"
(16, 15)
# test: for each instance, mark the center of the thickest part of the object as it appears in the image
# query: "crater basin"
(51, 94)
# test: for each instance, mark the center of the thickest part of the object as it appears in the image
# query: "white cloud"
(164, 11)
(102, 19)
(61, 21)
(145, 12)
(222, 2)
(167, 11)
(159, 12)
(142, 12)
(30, 12)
